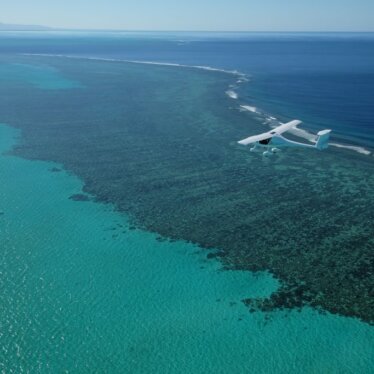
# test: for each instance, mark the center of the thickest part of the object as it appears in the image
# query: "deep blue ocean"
(324, 79)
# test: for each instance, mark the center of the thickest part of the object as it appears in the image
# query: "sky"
(190, 15)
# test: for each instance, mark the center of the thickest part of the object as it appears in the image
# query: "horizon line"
(41, 27)
(61, 29)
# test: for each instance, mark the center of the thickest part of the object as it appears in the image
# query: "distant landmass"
(11, 27)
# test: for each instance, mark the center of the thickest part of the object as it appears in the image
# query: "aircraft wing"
(286, 126)
(255, 138)
(266, 135)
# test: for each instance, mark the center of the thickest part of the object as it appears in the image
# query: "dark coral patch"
(306, 216)
(79, 197)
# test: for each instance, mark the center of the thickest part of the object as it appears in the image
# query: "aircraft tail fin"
(323, 139)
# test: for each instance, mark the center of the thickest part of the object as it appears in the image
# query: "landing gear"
(267, 153)
(270, 151)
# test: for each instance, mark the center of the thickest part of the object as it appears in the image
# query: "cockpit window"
(265, 141)
(272, 132)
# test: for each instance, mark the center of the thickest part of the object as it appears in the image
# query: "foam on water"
(243, 78)
(232, 94)
(302, 133)
(250, 108)
(358, 149)
(313, 139)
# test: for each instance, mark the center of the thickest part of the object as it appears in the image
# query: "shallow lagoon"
(82, 291)
(91, 291)
(158, 142)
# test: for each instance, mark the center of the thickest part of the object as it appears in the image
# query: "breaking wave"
(232, 94)
(301, 133)
(358, 149)
(241, 78)
(249, 108)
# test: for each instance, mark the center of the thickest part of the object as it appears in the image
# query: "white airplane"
(273, 139)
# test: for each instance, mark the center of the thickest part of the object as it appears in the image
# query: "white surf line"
(232, 94)
(250, 108)
(242, 78)
(302, 133)
(313, 139)
(358, 149)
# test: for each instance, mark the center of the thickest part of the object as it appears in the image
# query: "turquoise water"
(158, 142)
(82, 292)
(39, 76)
